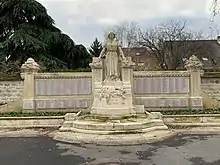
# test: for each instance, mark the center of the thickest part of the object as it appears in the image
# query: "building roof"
(142, 57)
(207, 50)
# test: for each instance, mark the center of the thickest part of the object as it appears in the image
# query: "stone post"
(127, 71)
(29, 68)
(127, 78)
(97, 78)
(194, 66)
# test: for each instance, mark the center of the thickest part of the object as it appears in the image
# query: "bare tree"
(172, 43)
(126, 33)
(215, 8)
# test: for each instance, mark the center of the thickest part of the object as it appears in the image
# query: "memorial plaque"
(184, 102)
(160, 102)
(159, 85)
(197, 102)
(168, 103)
(176, 102)
(186, 84)
(172, 85)
(28, 104)
(148, 87)
(63, 87)
(178, 84)
(152, 102)
(166, 81)
(61, 104)
(151, 85)
(179, 102)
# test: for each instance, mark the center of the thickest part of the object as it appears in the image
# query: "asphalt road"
(179, 150)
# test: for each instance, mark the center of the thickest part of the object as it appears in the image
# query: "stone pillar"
(29, 68)
(97, 78)
(127, 70)
(127, 76)
(194, 66)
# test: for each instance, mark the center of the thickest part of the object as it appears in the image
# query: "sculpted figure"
(113, 55)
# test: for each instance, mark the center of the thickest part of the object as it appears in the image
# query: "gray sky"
(84, 20)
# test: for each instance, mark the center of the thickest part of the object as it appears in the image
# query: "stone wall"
(211, 87)
(10, 91)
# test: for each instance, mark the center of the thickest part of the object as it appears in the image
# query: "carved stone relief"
(111, 92)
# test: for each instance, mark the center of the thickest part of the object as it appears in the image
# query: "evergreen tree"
(26, 30)
(95, 48)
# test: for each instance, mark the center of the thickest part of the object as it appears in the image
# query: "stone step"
(118, 132)
(67, 124)
(116, 126)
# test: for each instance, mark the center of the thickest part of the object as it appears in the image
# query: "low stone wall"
(175, 121)
(192, 120)
(15, 106)
(10, 91)
(31, 122)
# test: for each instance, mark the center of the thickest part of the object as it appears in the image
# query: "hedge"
(191, 112)
(20, 114)
(169, 112)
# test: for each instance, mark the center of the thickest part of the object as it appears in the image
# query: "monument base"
(114, 99)
(104, 130)
(114, 139)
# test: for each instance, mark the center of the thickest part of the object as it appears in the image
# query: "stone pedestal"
(194, 67)
(29, 68)
(112, 98)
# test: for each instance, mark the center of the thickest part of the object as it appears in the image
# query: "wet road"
(179, 150)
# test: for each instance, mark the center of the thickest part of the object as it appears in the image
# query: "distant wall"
(10, 91)
(211, 85)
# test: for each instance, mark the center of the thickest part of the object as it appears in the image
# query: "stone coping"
(199, 115)
(31, 122)
(62, 117)
(161, 74)
(32, 118)
(59, 75)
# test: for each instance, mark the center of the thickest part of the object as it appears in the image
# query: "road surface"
(179, 150)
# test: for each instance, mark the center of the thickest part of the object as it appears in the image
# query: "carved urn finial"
(96, 63)
(193, 63)
(30, 66)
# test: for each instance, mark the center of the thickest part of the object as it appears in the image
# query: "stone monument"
(113, 119)
(112, 81)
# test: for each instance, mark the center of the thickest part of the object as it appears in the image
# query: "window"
(204, 59)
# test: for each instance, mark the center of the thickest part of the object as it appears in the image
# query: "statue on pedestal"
(112, 92)
(113, 57)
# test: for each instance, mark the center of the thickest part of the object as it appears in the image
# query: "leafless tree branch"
(172, 42)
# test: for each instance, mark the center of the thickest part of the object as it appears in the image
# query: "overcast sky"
(84, 20)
